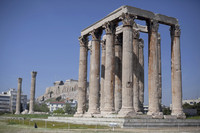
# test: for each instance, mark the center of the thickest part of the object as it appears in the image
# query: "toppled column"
(153, 70)
(103, 59)
(18, 102)
(141, 74)
(32, 96)
(176, 74)
(136, 35)
(127, 67)
(82, 81)
(118, 72)
(94, 73)
(109, 69)
(159, 74)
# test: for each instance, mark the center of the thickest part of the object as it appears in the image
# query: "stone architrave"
(94, 85)
(118, 72)
(159, 74)
(176, 74)
(136, 35)
(82, 81)
(141, 74)
(32, 96)
(18, 102)
(103, 59)
(153, 70)
(109, 69)
(127, 67)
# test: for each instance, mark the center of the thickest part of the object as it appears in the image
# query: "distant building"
(8, 101)
(191, 101)
(55, 105)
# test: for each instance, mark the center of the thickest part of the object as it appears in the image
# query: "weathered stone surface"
(127, 67)
(141, 74)
(32, 96)
(18, 102)
(118, 72)
(176, 74)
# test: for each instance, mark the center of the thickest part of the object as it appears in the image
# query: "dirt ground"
(4, 128)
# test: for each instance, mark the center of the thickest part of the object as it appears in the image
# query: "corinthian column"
(136, 35)
(18, 102)
(141, 74)
(127, 67)
(94, 73)
(32, 97)
(159, 74)
(153, 69)
(176, 78)
(118, 72)
(109, 69)
(103, 59)
(82, 81)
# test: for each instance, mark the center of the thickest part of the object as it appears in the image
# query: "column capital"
(33, 73)
(110, 27)
(136, 34)
(83, 41)
(127, 19)
(175, 31)
(19, 80)
(96, 34)
(118, 39)
(153, 25)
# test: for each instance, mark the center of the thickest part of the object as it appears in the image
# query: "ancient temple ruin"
(120, 89)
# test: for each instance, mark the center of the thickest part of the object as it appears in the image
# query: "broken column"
(32, 96)
(82, 81)
(18, 102)
(176, 74)
(118, 72)
(127, 66)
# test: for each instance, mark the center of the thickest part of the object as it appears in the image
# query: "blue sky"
(42, 35)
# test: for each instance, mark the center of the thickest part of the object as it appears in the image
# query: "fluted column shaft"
(32, 96)
(109, 68)
(118, 72)
(103, 59)
(127, 66)
(94, 73)
(176, 74)
(18, 102)
(82, 80)
(141, 74)
(136, 71)
(159, 75)
(153, 69)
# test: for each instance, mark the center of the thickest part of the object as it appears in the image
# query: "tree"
(69, 109)
(41, 107)
(59, 111)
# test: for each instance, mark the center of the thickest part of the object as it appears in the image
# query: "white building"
(55, 105)
(191, 101)
(8, 101)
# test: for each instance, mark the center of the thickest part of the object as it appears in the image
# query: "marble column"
(141, 74)
(127, 67)
(153, 69)
(32, 96)
(118, 72)
(176, 74)
(82, 81)
(136, 35)
(159, 74)
(94, 85)
(109, 69)
(18, 102)
(103, 59)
